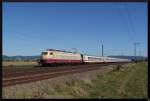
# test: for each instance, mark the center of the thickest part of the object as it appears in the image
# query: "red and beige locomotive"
(52, 56)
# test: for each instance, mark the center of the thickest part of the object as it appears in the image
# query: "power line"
(123, 20)
(23, 35)
(130, 19)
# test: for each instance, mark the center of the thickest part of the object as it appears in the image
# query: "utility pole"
(140, 53)
(135, 44)
(121, 52)
(102, 50)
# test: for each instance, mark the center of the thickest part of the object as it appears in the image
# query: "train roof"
(59, 50)
(106, 57)
(94, 56)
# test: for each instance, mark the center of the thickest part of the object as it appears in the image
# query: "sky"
(30, 28)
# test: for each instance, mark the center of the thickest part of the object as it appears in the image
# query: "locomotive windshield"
(44, 53)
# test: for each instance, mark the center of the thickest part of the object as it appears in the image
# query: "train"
(53, 56)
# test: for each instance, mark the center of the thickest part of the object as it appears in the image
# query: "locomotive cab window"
(44, 53)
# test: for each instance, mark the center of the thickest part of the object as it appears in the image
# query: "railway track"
(18, 76)
(13, 71)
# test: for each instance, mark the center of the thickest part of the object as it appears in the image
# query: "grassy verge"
(129, 82)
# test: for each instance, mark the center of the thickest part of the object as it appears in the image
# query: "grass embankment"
(18, 63)
(129, 82)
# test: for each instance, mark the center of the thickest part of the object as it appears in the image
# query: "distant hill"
(19, 58)
(131, 57)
